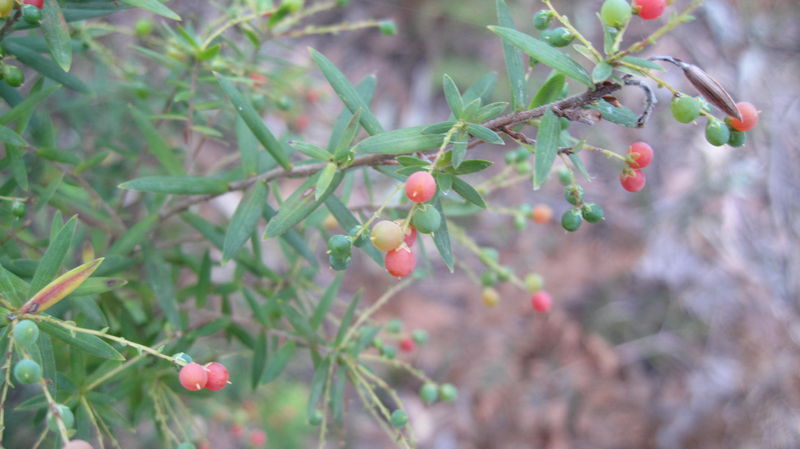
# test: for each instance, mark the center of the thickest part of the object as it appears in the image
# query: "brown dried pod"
(708, 87)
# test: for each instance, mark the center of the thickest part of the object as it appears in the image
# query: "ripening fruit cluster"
(572, 219)
(732, 131)
(639, 156)
(556, 37)
(430, 393)
(195, 377)
(617, 13)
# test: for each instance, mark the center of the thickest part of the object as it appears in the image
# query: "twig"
(650, 100)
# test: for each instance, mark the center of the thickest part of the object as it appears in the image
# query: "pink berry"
(407, 344)
(258, 438)
(400, 262)
(641, 153)
(236, 431)
(649, 9)
(632, 180)
(77, 444)
(218, 376)
(39, 4)
(193, 377)
(420, 187)
(541, 301)
(411, 236)
(749, 115)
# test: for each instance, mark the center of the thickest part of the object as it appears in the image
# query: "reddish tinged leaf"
(62, 286)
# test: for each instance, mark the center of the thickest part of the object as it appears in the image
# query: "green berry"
(616, 13)
(26, 332)
(182, 357)
(362, 239)
(574, 194)
(717, 132)
(429, 393)
(504, 274)
(27, 372)
(143, 27)
(571, 220)
(542, 19)
(31, 14)
(488, 278)
(399, 418)
(377, 342)
(394, 326)
(285, 103)
(316, 418)
(565, 176)
(339, 263)
(426, 219)
(448, 392)
(558, 37)
(18, 209)
(489, 255)
(340, 246)
(592, 212)
(66, 416)
(685, 109)
(389, 352)
(388, 28)
(520, 222)
(510, 157)
(737, 138)
(419, 336)
(523, 167)
(534, 282)
(13, 75)
(187, 446)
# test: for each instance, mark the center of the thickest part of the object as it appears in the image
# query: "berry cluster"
(617, 13)
(556, 37)
(407, 343)
(731, 131)
(572, 219)
(639, 156)
(195, 377)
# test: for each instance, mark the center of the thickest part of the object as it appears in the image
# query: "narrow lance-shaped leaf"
(441, 238)
(259, 358)
(156, 144)
(154, 6)
(56, 34)
(453, 96)
(550, 91)
(544, 53)
(318, 383)
(89, 343)
(326, 301)
(546, 147)
(245, 109)
(300, 205)
(62, 286)
(365, 90)
(514, 64)
(278, 362)
(54, 256)
(44, 66)
(400, 141)
(27, 105)
(325, 178)
(244, 220)
(178, 185)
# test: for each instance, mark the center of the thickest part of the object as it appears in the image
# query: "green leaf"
(27, 105)
(159, 277)
(311, 150)
(400, 141)
(300, 324)
(365, 90)
(245, 109)
(259, 358)
(156, 143)
(601, 72)
(44, 66)
(411, 161)
(318, 383)
(644, 63)
(453, 96)
(203, 280)
(483, 89)
(337, 393)
(621, 116)
(347, 318)
(55, 291)
(468, 192)
(490, 111)
(576, 160)
(347, 221)
(550, 91)
(89, 343)
(343, 149)
(325, 178)
(96, 286)
(53, 257)
(514, 64)
(258, 311)
(439, 128)
(154, 6)
(472, 166)
(346, 92)
(19, 170)
(244, 220)
(56, 34)
(485, 134)
(178, 185)
(292, 238)
(546, 147)
(126, 242)
(300, 205)
(278, 362)
(460, 142)
(10, 137)
(442, 238)
(545, 54)
(326, 301)
(248, 145)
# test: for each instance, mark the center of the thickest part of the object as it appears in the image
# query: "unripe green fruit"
(388, 28)
(685, 109)
(18, 208)
(504, 274)
(390, 352)
(510, 157)
(737, 138)
(558, 37)
(143, 27)
(13, 75)
(429, 393)
(489, 278)
(565, 176)
(520, 222)
(339, 263)
(571, 220)
(31, 14)
(362, 239)
(574, 194)
(616, 13)
(523, 167)
(542, 19)
(316, 418)
(426, 219)
(592, 212)
(187, 446)
(285, 103)
(340, 246)
(26, 332)
(399, 418)
(489, 255)
(534, 282)
(448, 393)
(66, 416)
(717, 132)
(394, 326)
(27, 372)
(419, 336)
(183, 357)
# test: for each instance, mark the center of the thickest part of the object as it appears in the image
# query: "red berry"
(542, 213)
(236, 431)
(302, 123)
(749, 115)
(542, 302)
(258, 438)
(641, 153)
(400, 262)
(218, 376)
(632, 180)
(258, 79)
(407, 344)
(312, 96)
(420, 187)
(193, 377)
(37, 3)
(411, 236)
(649, 9)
